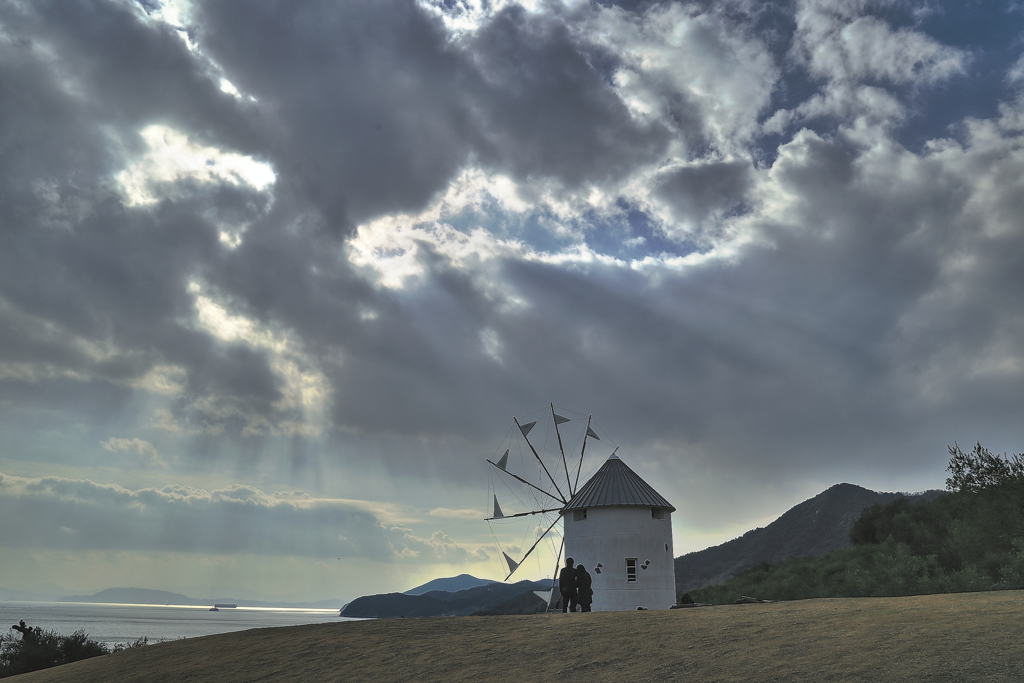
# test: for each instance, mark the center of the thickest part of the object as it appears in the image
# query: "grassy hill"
(961, 637)
(812, 528)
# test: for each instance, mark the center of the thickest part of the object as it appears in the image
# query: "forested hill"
(814, 527)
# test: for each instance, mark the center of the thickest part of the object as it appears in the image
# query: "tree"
(980, 469)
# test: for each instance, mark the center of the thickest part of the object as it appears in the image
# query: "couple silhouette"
(574, 584)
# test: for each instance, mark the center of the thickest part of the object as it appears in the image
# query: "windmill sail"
(541, 488)
(558, 419)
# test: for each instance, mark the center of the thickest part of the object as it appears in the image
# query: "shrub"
(37, 649)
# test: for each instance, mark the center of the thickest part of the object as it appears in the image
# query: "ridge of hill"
(814, 527)
(436, 602)
(450, 584)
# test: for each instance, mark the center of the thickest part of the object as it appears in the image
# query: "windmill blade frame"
(537, 447)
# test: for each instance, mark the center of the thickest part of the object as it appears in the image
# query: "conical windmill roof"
(616, 484)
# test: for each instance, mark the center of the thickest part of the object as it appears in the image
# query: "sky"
(275, 277)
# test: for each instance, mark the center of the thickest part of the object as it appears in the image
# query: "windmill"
(534, 478)
(615, 521)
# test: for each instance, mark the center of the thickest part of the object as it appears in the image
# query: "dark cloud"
(361, 102)
(546, 111)
(695, 192)
(594, 218)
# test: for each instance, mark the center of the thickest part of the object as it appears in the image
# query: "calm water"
(113, 623)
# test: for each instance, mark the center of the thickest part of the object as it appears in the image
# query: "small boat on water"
(214, 609)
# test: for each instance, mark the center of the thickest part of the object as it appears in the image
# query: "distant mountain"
(437, 602)
(146, 596)
(134, 596)
(450, 584)
(814, 527)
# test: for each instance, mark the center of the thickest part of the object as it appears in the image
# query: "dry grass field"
(962, 637)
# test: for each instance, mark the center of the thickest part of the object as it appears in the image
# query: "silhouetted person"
(26, 631)
(567, 586)
(584, 592)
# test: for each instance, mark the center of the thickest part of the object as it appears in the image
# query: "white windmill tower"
(615, 524)
(620, 529)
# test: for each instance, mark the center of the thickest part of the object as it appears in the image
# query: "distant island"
(450, 585)
(490, 598)
(146, 596)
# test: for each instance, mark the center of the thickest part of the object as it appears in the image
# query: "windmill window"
(657, 513)
(579, 515)
(631, 570)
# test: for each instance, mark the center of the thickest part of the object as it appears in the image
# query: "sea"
(113, 623)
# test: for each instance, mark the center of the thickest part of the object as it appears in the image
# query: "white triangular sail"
(504, 460)
(497, 510)
(559, 419)
(512, 564)
(592, 434)
(525, 429)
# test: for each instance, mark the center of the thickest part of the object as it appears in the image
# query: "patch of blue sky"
(628, 235)
(795, 87)
(537, 229)
(993, 33)
(632, 235)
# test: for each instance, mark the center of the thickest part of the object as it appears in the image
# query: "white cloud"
(1015, 74)
(843, 48)
(150, 456)
(172, 157)
(859, 57)
(456, 514)
(676, 56)
(58, 513)
(165, 380)
(437, 548)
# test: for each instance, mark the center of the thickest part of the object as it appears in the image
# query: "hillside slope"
(814, 527)
(959, 637)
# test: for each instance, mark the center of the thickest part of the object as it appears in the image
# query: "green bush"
(38, 649)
